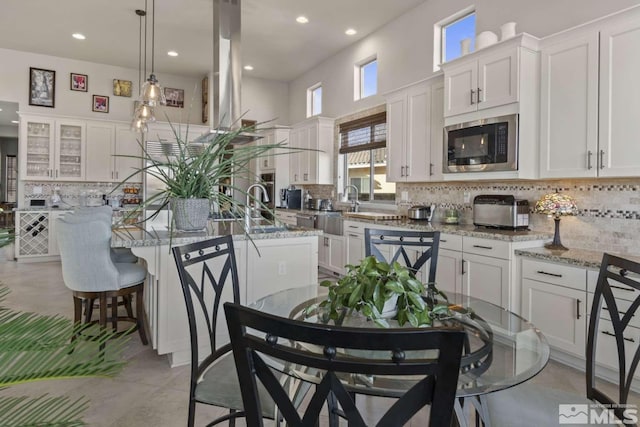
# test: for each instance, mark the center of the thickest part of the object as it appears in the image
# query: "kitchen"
(608, 206)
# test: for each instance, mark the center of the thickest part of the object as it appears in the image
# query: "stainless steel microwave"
(485, 145)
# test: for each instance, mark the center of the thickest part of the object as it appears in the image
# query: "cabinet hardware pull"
(117, 175)
(471, 96)
(401, 170)
(111, 174)
(549, 274)
(353, 235)
(406, 171)
(463, 272)
(482, 247)
(578, 309)
(621, 288)
(589, 154)
(479, 100)
(601, 159)
(430, 169)
(353, 226)
(613, 335)
(443, 241)
(56, 173)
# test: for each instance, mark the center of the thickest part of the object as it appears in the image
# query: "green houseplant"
(368, 286)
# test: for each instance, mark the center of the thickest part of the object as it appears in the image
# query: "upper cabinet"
(108, 148)
(590, 100)
(314, 163)
(490, 77)
(54, 149)
(414, 132)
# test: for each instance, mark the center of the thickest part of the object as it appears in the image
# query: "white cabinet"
(286, 217)
(107, 144)
(353, 232)
(36, 235)
(589, 107)
(414, 132)
(53, 149)
(487, 79)
(331, 253)
(314, 164)
(554, 300)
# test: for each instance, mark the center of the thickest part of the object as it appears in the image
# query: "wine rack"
(34, 233)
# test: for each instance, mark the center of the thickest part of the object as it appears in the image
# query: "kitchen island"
(269, 259)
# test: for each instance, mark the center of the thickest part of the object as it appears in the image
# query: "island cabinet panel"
(264, 266)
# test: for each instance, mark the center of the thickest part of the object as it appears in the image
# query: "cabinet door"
(459, 82)
(53, 238)
(487, 278)
(310, 158)
(126, 144)
(449, 271)
(323, 251)
(355, 247)
(36, 148)
(336, 254)
(396, 128)
(619, 153)
(297, 159)
(100, 150)
(569, 108)
(558, 312)
(70, 151)
(417, 145)
(437, 132)
(32, 234)
(266, 160)
(497, 79)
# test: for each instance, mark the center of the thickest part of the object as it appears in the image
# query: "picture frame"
(205, 100)
(122, 87)
(78, 82)
(174, 97)
(42, 87)
(100, 104)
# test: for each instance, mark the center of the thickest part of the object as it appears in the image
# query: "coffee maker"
(292, 198)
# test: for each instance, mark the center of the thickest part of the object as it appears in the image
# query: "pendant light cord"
(153, 35)
(145, 37)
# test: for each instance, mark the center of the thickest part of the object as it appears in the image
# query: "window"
(364, 156)
(314, 100)
(448, 35)
(366, 78)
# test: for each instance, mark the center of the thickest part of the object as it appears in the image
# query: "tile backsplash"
(608, 217)
(70, 192)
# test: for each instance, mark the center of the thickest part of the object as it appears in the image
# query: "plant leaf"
(417, 301)
(42, 411)
(394, 286)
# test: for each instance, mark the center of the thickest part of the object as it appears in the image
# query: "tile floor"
(148, 392)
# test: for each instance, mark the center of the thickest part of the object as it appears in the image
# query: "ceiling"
(272, 41)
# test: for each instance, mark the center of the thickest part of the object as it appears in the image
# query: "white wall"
(10, 131)
(404, 47)
(264, 99)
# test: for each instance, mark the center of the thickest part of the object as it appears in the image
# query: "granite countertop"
(138, 237)
(574, 256)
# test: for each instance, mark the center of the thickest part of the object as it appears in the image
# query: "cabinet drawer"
(451, 242)
(354, 227)
(623, 302)
(486, 247)
(606, 350)
(563, 275)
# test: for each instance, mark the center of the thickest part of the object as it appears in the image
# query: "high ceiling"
(273, 42)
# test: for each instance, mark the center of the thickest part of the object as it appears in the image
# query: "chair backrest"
(614, 310)
(85, 255)
(258, 339)
(426, 244)
(207, 272)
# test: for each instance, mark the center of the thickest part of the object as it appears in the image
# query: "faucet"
(247, 208)
(354, 203)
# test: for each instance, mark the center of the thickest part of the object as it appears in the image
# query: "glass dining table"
(502, 349)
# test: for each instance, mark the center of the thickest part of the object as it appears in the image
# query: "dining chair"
(533, 405)
(209, 275)
(398, 242)
(262, 344)
(87, 269)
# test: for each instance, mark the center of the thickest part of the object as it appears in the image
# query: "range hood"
(227, 73)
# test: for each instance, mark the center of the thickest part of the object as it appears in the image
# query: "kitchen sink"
(260, 229)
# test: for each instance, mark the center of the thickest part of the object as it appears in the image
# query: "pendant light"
(142, 113)
(152, 92)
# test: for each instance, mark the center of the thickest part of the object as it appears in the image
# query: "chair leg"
(103, 317)
(77, 314)
(88, 310)
(140, 316)
(126, 300)
(114, 314)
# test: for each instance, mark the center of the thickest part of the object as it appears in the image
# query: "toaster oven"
(500, 211)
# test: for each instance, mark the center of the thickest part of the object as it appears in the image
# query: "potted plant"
(379, 290)
(193, 174)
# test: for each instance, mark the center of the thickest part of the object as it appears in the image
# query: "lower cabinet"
(36, 235)
(449, 271)
(331, 253)
(354, 236)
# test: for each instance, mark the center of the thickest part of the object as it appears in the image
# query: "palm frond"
(43, 411)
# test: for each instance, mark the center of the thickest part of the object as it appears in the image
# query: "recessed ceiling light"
(0, 109)
(78, 36)
(302, 19)
(172, 53)
(15, 122)
(350, 32)
(248, 67)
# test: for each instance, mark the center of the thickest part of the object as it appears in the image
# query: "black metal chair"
(258, 339)
(616, 297)
(427, 242)
(209, 276)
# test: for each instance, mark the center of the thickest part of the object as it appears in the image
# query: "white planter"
(190, 214)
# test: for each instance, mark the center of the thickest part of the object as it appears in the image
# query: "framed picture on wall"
(100, 104)
(42, 87)
(79, 82)
(121, 87)
(175, 97)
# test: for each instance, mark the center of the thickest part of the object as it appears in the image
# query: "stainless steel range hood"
(227, 72)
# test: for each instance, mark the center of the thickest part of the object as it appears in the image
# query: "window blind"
(366, 133)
